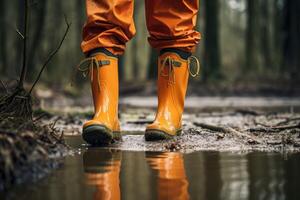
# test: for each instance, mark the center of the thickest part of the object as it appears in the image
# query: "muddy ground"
(209, 124)
(29, 150)
(234, 129)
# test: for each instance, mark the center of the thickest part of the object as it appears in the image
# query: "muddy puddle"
(110, 173)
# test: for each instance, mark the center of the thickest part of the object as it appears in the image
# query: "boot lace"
(86, 66)
(170, 63)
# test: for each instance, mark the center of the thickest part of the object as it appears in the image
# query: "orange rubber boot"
(104, 128)
(173, 75)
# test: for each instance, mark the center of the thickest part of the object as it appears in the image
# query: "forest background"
(247, 46)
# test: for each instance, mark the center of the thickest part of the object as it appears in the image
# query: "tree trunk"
(252, 32)
(292, 40)
(2, 39)
(277, 35)
(212, 60)
(38, 23)
(152, 70)
(266, 33)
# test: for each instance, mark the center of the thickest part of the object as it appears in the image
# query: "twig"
(247, 112)
(51, 55)
(230, 131)
(39, 117)
(52, 126)
(261, 129)
(287, 127)
(19, 33)
(3, 85)
(138, 122)
(288, 120)
(251, 139)
(211, 127)
(274, 128)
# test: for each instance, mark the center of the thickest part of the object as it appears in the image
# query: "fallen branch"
(232, 131)
(273, 128)
(140, 122)
(211, 127)
(287, 127)
(286, 121)
(250, 139)
(51, 55)
(248, 112)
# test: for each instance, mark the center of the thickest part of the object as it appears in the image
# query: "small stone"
(175, 146)
(251, 141)
(220, 136)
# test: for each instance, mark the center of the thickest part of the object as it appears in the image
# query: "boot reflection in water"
(172, 181)
(102, 169)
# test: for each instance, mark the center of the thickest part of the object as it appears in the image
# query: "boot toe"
(157, 131)
(156, 135)
(97, 135)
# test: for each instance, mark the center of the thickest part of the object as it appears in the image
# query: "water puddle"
(106, 173)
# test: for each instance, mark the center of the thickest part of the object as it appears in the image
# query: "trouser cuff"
(183, 54)
(100, 50)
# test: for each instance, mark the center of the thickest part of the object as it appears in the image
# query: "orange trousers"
(170, 23)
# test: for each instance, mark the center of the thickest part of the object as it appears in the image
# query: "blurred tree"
(37, 21)
(258, 37)
(292, 40)
(252, 36)
(277, 34)
(80, 16)
(212, 59)
(267, 32)
(152, 70)
(2, 39)
(140, 47)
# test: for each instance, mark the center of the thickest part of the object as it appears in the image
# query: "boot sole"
(157, 135)
(100, 135)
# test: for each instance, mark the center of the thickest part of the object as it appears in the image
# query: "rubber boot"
(104, 127)
(173, 75)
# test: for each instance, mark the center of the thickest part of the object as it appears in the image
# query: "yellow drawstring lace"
(87, 65)
(170, 74)
(197, 66)
(171, 63)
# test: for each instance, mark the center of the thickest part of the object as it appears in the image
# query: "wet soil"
(29, 150)
(268, 125)
(235, 131)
